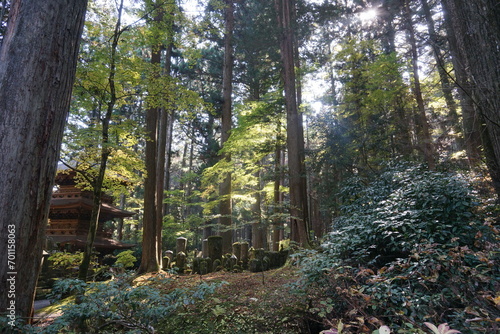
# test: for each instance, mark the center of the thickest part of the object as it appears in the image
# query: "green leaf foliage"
(118, 306)
(409, 248)
(404, 207)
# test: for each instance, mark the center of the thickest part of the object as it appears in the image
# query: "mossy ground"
(248, 303)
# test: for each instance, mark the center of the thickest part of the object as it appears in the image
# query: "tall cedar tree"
(151, 236)
(295, 138)
(37, 71)
(476, 35)
(225, 207)
(470, 116)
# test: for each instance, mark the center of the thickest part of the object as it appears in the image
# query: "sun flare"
(368, 15)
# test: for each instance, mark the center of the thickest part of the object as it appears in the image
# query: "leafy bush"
(406, 206)
(408, 250)
(118, 306)
(65, 264)
(437, 284)
(125, 259)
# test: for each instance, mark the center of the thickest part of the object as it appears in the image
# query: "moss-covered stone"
(244, 254)
(166, 262)
(215, 247)
(217, 265)
(181, 260)
(255, 265)
(237, 249)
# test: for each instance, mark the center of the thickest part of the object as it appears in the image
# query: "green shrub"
(408, 249)
(404, 207)
(65, 264)
(125, 259)
(118, 306)
(434, 284)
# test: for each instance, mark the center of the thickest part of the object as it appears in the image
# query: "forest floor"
(263, 302)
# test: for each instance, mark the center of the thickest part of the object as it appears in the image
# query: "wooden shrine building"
(69, 217)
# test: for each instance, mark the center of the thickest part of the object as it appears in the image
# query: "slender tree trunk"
(225, 208)
(295, 136)
(105, 152)
(150, 261)
(120, 220)
(211, 160)
(37, 70)
(257, 226)
(388, 36)
(277, 223)
(402, 137)
(423, 131)
(190, 171)
(168, 157)
(160, 177)
(446, 86)
(164, 141)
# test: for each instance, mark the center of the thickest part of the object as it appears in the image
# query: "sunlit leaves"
(251, 145)
(99, 63)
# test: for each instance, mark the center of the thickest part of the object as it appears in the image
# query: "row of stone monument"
(212, 259)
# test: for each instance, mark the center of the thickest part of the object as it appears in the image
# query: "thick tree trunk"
(149, 259)
(476, 28)
(156, 128)
(164, 132)
(471, 122)
(37, 70)
(225, 207)
(295, 140)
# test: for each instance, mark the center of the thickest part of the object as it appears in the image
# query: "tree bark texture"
(277, 224)
(225, 207)
(160, 178)
(258, 228)
(164, 128)
(470, 116)
(149, 259)
(476, 27)
(296, 167)
(155, 145)
(37, 71)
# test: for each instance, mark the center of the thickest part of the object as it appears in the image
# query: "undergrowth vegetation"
(120, 305)
(411, 247)
(413, 251)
